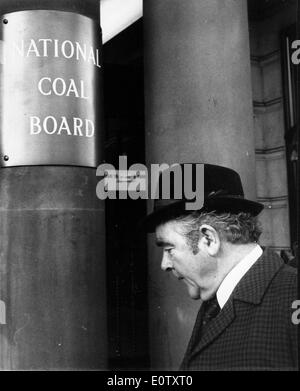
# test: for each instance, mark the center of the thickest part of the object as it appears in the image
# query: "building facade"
(189, 82)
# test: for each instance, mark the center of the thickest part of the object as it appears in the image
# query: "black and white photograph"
(149, 188)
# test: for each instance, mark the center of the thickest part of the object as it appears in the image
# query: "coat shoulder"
(286, 279)
(283, 291)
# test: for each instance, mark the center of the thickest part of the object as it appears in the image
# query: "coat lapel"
(215, 328)
(250, 289)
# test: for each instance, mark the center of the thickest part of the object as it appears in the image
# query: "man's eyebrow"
(161, 243)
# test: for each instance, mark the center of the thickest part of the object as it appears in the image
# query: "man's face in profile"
(195, 270)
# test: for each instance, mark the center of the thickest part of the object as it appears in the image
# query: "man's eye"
(169, 250)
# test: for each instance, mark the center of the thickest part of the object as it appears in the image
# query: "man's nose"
(166, 264)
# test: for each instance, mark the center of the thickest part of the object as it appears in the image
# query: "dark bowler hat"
(223, 192)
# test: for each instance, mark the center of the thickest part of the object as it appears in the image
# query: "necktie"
(211, 310)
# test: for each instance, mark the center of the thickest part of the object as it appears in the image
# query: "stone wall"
(268, 112)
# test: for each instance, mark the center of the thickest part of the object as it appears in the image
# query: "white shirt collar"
(235, 275)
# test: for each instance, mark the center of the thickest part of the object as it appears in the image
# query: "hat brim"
(224, 204)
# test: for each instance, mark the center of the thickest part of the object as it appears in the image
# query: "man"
(247, 293)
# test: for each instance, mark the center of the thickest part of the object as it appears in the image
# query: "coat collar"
(259, 276)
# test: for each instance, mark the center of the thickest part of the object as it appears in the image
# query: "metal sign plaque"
(50, 89)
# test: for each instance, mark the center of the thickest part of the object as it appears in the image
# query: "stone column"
(198, 109)
(52, 255)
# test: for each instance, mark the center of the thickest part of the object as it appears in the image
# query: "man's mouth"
(178, 276)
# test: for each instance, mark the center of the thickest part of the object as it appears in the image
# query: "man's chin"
(194, 292)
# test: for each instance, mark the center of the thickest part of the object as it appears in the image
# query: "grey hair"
(241, 228)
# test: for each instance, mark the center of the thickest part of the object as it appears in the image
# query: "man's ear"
(210, 239)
